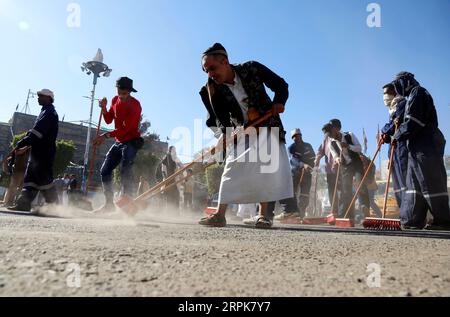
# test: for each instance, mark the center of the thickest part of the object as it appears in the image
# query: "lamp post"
(97, 68)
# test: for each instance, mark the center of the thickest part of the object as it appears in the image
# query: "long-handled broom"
(94, 153)
(132, 205)
(331, 218)
(295, 220)
(385, 224)
(346, 222)
(131, 209)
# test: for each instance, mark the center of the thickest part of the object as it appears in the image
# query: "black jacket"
(420, 125)
(42, 137)
(223, 108)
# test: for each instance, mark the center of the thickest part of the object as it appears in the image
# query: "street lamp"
(97, 68)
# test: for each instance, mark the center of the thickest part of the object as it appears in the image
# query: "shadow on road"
(300, 228)
(362, 231)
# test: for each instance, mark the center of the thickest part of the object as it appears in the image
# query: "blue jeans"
(123, 154)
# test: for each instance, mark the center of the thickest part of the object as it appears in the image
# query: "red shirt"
(126, 116)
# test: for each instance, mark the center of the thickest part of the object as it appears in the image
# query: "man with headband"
(235, 96)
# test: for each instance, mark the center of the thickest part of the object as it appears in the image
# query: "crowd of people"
(235, 96)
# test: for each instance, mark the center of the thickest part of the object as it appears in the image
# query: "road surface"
(158, 255)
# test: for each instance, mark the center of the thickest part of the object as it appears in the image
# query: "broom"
(385, 224)
(94, 153)
(331, 218)
(296, 220)
(346, 222)
(127, 203)
(131, 209)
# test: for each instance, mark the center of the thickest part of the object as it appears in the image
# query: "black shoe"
(438, 227)
(20, 208)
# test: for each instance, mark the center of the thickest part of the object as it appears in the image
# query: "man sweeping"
(125, 111)
(352, 167)
(168, 166)
(426, 179)
(42, 140)
(234, 96)
(330, 164)
(396, 105)
(302, 163)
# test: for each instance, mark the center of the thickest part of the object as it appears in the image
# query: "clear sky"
(334, 63)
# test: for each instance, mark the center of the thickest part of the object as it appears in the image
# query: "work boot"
(287, 215)
(105, 209)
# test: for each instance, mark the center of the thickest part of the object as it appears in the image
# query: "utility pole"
(97, 68)
(26, 108)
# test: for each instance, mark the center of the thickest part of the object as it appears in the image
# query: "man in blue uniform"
(302, 163)
(426, 179)
(42, 140)
(396, 105)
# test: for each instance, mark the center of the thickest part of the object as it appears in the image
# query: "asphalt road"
(158, 255)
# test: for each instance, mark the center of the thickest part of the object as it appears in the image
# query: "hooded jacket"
(420, 125)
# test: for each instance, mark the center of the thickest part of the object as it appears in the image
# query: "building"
(5, 139)
(21, 122)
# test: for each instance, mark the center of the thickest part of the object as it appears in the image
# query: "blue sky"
(334, 63)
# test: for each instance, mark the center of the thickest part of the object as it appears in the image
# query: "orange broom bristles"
(385, 224)
(382, 224)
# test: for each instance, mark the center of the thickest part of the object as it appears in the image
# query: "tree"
(213, 177)
(65, 151)
(145, 163)
(144, 126)
(17, 138)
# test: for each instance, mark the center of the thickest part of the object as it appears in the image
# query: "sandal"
(263, 223)
(214, 220)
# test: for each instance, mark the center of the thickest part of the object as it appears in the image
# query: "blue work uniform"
(39, 173)
(301, 153)
(426, 178)
(400, 164)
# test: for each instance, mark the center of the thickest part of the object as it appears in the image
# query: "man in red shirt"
(125, 111)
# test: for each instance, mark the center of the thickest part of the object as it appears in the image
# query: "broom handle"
(302, 177)
(364, 179)
(180, 171)
(338, 173)
(94, 153)
(164, 182)
(315, 193)
(161, 190)
(388, 183)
